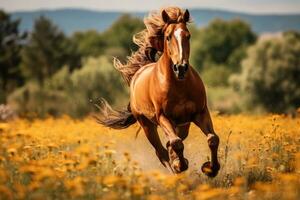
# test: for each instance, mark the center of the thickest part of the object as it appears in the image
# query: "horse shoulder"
(140, 97)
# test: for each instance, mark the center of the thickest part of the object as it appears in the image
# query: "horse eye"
(168, 37)
(188, 37)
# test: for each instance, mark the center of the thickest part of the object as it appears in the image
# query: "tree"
(115, 41)
(10, 46)
(90, 43)
(222, 43)
(270, 76)
(121, 32)
(47, 51)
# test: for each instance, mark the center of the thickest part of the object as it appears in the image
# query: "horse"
(165, 92)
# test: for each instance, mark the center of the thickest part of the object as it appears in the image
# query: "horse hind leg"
(151, 133)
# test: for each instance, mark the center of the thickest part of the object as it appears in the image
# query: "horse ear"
(186, 16)
(165, 16)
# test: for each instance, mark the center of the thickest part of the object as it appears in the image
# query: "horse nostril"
(175, 67)
(186, 66)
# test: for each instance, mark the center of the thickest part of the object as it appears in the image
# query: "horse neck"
(165, 67)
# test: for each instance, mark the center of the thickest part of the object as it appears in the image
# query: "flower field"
(78, 159)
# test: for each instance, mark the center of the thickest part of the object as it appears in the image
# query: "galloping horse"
(166, 92)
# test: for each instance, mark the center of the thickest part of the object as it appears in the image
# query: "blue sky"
(250, 6)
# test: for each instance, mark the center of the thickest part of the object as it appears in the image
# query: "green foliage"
(121, 32)
(216, 76)
(270, 76)
(222, 43)
(90, 43)
(96, 79)
(10, 47)
(47, 51)
(55, 82)
(115, 41)
(66, 93)
(223, 99)
(54, 89)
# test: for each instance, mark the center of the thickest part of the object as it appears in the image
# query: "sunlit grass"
(72, 159)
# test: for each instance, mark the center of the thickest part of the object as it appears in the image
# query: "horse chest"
(181, 111)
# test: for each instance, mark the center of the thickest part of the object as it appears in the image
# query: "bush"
(72, 94)
(96, 79)
(270, 76)
(216, 76)
(33, 100)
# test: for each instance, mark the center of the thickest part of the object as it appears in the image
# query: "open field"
(78, 159)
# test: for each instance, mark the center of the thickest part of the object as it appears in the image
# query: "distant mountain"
(71, 20)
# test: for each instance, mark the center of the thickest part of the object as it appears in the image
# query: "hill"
(71, 20)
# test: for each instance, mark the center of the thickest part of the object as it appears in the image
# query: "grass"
(70, 159)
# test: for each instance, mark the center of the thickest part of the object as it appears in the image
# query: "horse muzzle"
(180, 70)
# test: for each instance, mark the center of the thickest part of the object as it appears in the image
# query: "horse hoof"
(208, 170)
(180, 167)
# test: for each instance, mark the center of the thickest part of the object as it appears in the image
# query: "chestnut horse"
(168, 92)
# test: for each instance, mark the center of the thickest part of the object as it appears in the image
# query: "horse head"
(177, 43)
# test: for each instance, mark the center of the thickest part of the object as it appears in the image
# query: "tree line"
(47, 72)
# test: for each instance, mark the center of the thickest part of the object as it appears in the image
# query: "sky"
(248, 6)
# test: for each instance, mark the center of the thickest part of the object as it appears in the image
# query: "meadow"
(78, 159)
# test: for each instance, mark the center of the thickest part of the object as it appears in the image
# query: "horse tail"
(116, 119)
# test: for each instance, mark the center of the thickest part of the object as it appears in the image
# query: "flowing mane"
(149, 41)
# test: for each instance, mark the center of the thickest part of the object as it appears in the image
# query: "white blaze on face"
(177, 34)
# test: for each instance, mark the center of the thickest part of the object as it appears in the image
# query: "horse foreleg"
(182, 132)
(150, 130)
(203, 121)
(169, 130)
(175, 145)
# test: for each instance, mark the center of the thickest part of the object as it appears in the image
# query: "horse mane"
(149, 42)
